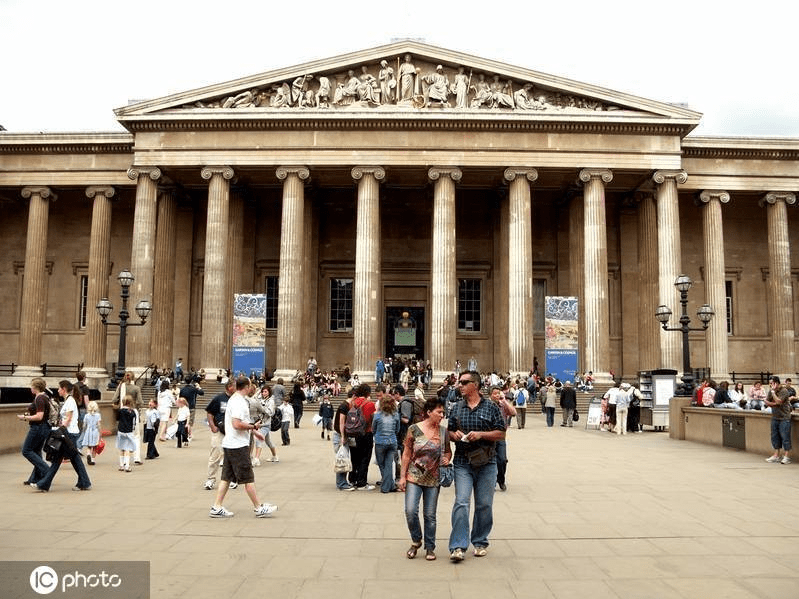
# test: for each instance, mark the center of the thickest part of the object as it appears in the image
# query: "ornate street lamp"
(105, 307)
(704, 313)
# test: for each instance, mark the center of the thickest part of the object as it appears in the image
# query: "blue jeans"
(32, 450)
(77, 466)
(341, 477)
(480, 480)
(550, 412)
(502, 461)
(429, 496)
(384, 454)
(781, 434)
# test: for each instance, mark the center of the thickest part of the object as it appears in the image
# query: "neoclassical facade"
(401, 184)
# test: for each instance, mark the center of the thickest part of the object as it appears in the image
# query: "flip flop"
(413, 550)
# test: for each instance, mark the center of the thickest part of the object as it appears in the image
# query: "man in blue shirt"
(476, 424)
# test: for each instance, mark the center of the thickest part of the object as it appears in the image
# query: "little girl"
(91, 431)
(125, 436)
(151, 429)
(287, 412)
(182, 419)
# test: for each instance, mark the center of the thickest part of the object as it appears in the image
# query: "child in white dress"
(91, 431)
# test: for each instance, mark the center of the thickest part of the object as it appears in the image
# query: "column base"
(285, 374)
(27, 372)
(366, 376)
(603, 379)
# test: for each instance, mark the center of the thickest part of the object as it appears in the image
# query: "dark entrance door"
(405, 333)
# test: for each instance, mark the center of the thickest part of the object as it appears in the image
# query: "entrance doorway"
(405, 333)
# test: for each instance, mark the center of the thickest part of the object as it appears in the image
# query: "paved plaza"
(587, 514)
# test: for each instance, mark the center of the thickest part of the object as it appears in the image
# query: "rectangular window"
(539, 302)
(271, 290)
(728, 305)
(83, 300)
(340, 305)
(469, 305)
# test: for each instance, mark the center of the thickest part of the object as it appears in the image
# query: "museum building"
(406, 184)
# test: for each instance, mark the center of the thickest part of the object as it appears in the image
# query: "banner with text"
(561, 343)
(248, 354)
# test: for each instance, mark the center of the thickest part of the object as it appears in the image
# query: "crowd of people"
(409, 433)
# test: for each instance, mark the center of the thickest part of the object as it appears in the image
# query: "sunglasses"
(465, 382)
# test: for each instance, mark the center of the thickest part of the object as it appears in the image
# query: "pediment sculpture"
(391, 85)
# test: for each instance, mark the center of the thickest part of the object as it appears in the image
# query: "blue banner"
(561, 363)
(248, 353)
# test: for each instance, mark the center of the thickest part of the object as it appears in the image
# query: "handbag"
(446, 474)
(575, 415)
(100, 446)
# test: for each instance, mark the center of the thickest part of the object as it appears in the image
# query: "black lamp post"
(704, 313)
(104, 307)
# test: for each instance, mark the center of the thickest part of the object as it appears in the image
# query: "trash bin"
(733, 431)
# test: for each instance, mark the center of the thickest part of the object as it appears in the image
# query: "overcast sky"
(66, 65)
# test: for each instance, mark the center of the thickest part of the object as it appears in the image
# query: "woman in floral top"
(422, 453)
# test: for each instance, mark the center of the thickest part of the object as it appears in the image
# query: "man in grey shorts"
(236, 447)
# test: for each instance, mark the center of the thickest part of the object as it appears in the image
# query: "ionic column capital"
(708, 196)
(104, 190)
(209, 171)
(43, 192)
(596, 173)
(151, 171)
(301, 171)
(778, 196)
(679, 176)
(453, 172)
(512, 172)
(378, 172)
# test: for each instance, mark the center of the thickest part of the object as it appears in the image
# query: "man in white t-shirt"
(237, 465)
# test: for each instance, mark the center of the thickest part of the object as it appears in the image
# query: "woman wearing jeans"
(386, 425)
(423, 451)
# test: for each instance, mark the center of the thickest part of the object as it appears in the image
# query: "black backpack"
(276, 422)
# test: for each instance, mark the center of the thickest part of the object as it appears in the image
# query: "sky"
(66, 65)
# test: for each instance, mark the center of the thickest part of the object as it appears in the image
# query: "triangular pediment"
(407, 78)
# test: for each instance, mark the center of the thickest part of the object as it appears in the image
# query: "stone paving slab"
(586, 514)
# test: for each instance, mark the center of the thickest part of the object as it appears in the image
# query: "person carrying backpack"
(358, 426)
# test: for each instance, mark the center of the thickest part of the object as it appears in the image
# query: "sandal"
(430, 555)
(413, 550)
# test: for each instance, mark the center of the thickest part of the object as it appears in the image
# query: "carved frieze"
(404, 83)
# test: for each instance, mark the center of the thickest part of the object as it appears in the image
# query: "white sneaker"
(209, 484)
(367, 488)
(233, 485)
(772, 459)
(256, 462)
(785, 460)
(220, 512)
(265, 510)
(274, 458)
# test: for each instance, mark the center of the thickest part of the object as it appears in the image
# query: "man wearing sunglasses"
(476, 424)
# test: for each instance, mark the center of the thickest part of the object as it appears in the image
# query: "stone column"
(577, 268)
(95, 339)
(234, 273)
(713, 235)
(597, 316)
(163, 314)
(443, 269)
(520, 271)
(367, 297)
(669, 262)
(34, 283)
(290, 323)
(142, 263)
(780, 288)
(648, 326)
(215, 291)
